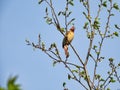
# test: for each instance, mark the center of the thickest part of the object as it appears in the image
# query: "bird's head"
(72, 28)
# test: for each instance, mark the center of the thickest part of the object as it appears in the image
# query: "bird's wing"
(65, 40)
(67, 33)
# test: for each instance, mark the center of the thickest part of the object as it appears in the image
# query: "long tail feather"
(66, 51)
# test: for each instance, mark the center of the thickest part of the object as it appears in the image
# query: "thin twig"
(118, 77)
(53, 14)
(74, 76)
(91, 39)
(77, 54)
(66, 9)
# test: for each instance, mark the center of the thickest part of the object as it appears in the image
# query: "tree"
(97, 31)
(11, 84)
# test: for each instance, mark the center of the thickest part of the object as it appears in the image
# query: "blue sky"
(23, 19)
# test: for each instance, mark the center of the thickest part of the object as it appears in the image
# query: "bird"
(67, 40)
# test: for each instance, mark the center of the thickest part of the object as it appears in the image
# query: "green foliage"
(111, 59)
(2, 88)
(62, 30)
(43, 46)
(76, 71)
(96, 24)
(40, 1)
(64, 84)
(70, 22)
(94, 47)
(115, 6)
(83, 75)
(59, 13)
(97, 76)
(86, 25)
(48, 20)
(81, 0)
(71, 2)
(69, 76)
(54, 63)
(102, 80)
(117, 27)
(11, 84)
(108, 88)
(104, 3)
(118, 64)
(116, 34)
(112, 80)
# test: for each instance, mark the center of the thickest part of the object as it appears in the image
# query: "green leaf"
(96, 24)
(40, 1)
(101, 86)
(59, 13)
(46, 10)
(102, 79)
(85, 14)
(97, 76)
(85, 3)
(56, 52)
(82, 74)
(81, 0)
(69, 14)
(97, 53)
(69, 77)
(28, 42)
(71, 21)
(53, 45)
(105, 4)
(85, 25)
(115, 6)
(117, 27)
(118, 64)
(112, 80)
(116, 34)
(71, 3)
(76, 71)
(43, 46)
(94, 47)
(2, 88)
(102, 57)
(54, 63)
(111, 59)
(12, 80)
(62, 29)
(64, 83)
(89, 35)
(85, 77)
(12, 85)
(77, 66)
(108, 88)
(109, 72)
(49, 21)
(112, 15)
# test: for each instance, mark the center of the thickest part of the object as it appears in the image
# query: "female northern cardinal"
(67, 40)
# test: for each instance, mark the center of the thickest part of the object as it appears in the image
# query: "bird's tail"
(66, 51)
